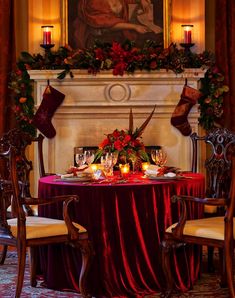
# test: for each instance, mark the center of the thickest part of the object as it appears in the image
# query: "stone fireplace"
(95, 105)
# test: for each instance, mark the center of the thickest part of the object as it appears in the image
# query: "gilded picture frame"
(157, 20)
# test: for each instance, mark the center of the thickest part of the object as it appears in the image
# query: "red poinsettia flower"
(104, 143)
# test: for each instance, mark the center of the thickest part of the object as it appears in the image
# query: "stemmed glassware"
(133, 159)
(108, 161)
(114, 157)
(89, 156)
(159, 156)
(80, 159)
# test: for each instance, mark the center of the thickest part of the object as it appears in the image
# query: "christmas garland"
(121, 59)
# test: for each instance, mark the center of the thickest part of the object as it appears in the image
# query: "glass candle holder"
(124, 170)
(187, 32)
(94, 167)
(47, 35)
(144, 166)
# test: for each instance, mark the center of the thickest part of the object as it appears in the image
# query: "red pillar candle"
(187, 34)
(46, 35)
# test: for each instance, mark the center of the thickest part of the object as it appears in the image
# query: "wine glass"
(159, 156)
(133, 159)
(107, 162)
(89, 156)
(114, 158)
(80, 159)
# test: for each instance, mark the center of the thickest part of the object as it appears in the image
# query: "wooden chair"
(213, 190)
(22, 231)
(39, 141)
(195, 138)
(210, 231)
(20, 140)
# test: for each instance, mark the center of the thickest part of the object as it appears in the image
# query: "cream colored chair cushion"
(39, 227)
(34, 209)
(210, 209)
(212, 228)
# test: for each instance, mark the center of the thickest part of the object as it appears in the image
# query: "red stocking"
(52, 99)
(179, 118)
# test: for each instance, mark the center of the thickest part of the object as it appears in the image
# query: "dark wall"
(210, 25)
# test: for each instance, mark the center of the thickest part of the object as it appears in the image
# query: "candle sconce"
(47, 38)
(187, 33)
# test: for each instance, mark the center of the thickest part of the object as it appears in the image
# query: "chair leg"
(21, 251)
(33, 257)
(229, 254)
(166, 251)
(87, 252)
(3, 255)
(223, 281)
(210, 259)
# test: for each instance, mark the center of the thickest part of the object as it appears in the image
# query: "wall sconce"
(187, 33)
(47, 38)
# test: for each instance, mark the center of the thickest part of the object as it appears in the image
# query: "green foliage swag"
(121, 59)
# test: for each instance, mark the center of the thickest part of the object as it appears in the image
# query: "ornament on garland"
(52, 99)
(188, 99)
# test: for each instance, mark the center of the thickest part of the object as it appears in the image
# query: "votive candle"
(144, 166)
(124, 169)
(94, 167)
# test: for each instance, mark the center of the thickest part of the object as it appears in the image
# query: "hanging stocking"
(179, 118)
(52, 99)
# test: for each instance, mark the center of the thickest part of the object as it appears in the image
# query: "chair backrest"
(20, 141)
(220, 143)
(218, 165)
(195, 138)
(5, 193)
(39, 140)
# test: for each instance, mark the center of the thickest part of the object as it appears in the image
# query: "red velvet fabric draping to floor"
(206, 287)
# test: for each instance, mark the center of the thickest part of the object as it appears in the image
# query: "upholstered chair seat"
(212, 227)
(40, 227)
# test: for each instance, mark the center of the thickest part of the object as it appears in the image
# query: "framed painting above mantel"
(85, 21)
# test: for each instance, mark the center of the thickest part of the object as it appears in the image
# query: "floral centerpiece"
(126, 143)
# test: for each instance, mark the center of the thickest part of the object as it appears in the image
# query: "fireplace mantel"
(95, 105)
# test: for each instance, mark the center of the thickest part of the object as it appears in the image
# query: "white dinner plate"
(76, 179)
(153, 177)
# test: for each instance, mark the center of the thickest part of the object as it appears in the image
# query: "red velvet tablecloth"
(126, 223)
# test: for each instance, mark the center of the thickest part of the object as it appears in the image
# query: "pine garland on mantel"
(122, 59)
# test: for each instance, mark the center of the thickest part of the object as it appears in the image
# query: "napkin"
(66, 175)
(152, 170)
(170, 174)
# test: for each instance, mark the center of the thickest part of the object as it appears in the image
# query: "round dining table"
(126, 220)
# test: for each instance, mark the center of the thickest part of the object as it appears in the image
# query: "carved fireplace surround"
(95, 105)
